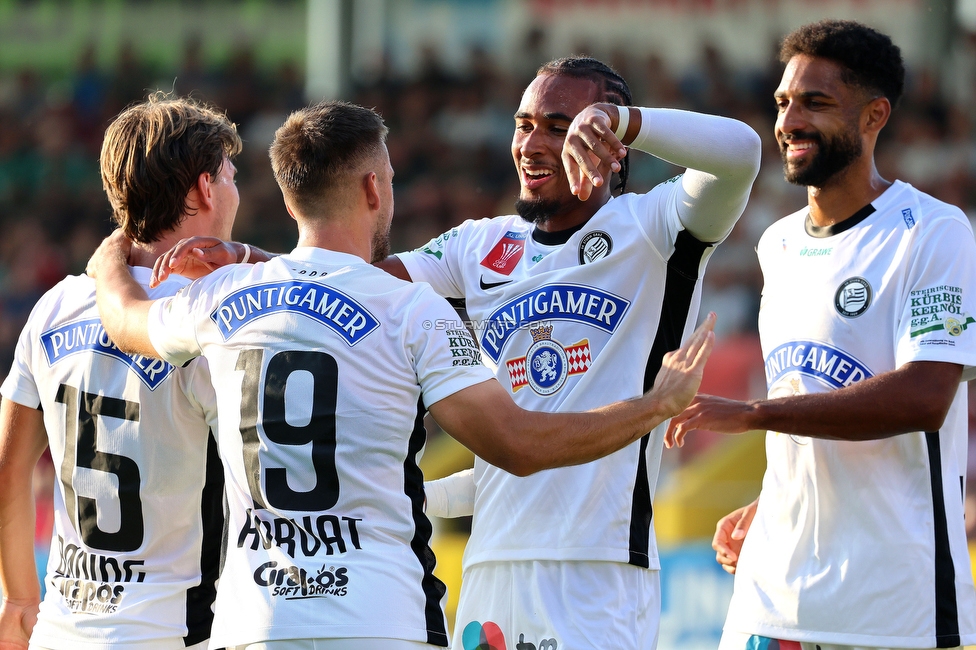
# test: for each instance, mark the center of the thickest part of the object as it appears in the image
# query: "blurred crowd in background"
(449, 142)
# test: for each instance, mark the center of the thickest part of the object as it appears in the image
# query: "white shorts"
(742, 641)
(196, 646)
(554, 605)
(335, 644)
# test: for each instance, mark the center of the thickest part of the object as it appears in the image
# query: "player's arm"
(915, 397)
(484, 418)
(394, 267)
(722, 157)
(123, 305)
(195, 257)
(22, 441)
(451, 496)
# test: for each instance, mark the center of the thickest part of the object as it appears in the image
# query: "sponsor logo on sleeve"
(506, 254)
(553, 302)
(435, 247)
(823, 362)
(594, 246)
(89, 336)
(853, 297)
(328, 306)
(907, 216)
(936, 309)
(464, 350)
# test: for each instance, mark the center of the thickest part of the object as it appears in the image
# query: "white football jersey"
(569, 325)
(863, 543)
(139, 493)
(324, 366)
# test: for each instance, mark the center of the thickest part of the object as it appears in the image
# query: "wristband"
(247, 254)
(623, 121)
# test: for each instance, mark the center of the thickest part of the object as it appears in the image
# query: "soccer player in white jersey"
(326, 367)
(567, 558)
(138, 500)
(857, 539)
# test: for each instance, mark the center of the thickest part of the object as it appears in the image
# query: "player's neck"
(147, 254)
(574, 215)
(845, 193)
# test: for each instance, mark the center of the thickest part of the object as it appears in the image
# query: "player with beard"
(857, 539)
(579, 295)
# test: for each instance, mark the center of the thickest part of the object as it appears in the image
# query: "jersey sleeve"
(173, 321)
(938, 320)
(444, 355)
(438, 262)
(657, 215)
(20, 386)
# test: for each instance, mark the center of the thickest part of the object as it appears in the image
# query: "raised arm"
(22, 441)
(721, 155)
(123, 305)
(915, 397)
(484, 418)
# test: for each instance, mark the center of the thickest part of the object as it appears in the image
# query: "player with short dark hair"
(326, 366)
(568, 557)
(858, 537)
(138, 500)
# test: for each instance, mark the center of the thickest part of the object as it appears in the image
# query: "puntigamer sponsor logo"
(91, 583)
(552, 302)
(332, 308)
(834, 367)
(89, 336)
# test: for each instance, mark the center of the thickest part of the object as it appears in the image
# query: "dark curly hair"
(152, 155)
(614, 88)
(869, 59)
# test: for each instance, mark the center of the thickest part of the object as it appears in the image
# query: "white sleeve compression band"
(451, 496)
(722, 158)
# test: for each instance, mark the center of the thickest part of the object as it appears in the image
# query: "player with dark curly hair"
(858, 537)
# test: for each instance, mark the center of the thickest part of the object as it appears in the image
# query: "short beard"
(832, 157)
(538, 211)
(381, 247)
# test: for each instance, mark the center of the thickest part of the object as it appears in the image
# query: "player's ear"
(371, 186)
(875, 114)
(201, 193)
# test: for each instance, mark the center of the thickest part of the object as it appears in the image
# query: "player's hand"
(194, 258)
(681, 370)
(16, 624)
(729, 534)
(114, 249)
(709, 413)
(591, 151)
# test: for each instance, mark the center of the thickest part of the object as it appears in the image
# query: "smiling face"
(548, 107)
(818, 122)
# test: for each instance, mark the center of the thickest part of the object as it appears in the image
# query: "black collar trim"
(821, 232)
(555, 238)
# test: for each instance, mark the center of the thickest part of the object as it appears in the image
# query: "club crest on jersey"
(547, 364)
(506, 254)
(89, 335)
(328, 306)
(823, 362)
(568, 302)
(853, 297)
(594, 246)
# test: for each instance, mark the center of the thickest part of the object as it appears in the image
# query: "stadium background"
(447, 77)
